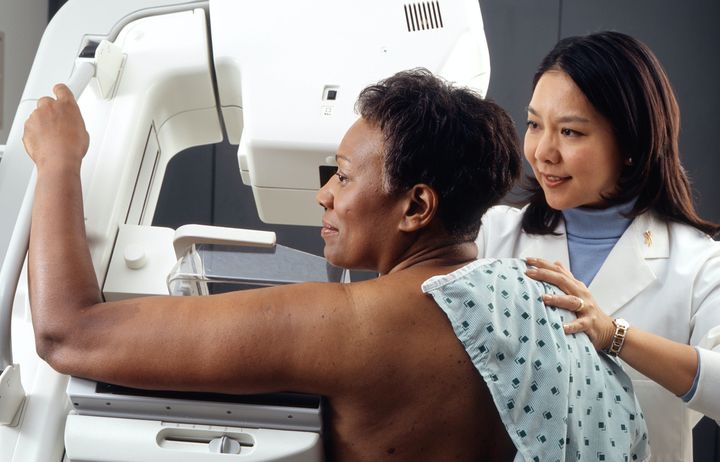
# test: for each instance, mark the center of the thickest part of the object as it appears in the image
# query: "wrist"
(617, 340)
(605, 335)
(58, 165)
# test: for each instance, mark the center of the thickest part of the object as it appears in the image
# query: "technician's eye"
(569, 132)
(531, 125)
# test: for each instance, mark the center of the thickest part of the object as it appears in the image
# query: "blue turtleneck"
(591, 235)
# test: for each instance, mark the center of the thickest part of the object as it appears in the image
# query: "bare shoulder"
(395, 322)
(392, 297)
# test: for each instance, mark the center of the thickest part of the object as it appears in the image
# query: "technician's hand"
(590, 319)
(55, 133)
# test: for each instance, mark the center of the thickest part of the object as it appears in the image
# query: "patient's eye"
(341, 177)
(531, 125)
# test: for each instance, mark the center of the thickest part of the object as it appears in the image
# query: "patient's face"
(360, 219)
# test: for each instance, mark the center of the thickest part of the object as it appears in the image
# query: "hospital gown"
(558, 398)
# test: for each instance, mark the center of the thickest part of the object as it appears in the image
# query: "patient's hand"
(590, 318)
(55, 132)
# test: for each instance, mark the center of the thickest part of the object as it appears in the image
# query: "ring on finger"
(582, 304)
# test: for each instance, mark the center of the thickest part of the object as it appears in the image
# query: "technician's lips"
(552, 181)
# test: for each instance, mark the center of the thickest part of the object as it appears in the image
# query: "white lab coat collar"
(551, 247)
(646, 238)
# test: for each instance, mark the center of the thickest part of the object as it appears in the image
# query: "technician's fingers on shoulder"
(576, 326)
(542, 263)
(561, 267)
(585, 325)
(556, 266)
(557, 274)
(574, 303)
(597, 325)
(554, 277)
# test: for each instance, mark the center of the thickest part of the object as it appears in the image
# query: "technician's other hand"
(590, 318)
(55, 132)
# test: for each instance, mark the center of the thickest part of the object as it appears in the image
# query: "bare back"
(416, 395)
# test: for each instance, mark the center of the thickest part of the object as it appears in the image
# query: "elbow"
(43, 346)
(57, 331)
(53, 350)
(48, 349)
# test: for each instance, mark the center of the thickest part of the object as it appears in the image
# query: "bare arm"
(265, 340)
(648, 353)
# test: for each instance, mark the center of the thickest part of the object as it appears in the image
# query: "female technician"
(611, 202)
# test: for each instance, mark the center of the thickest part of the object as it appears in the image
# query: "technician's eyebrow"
(563, 119)
(573, 118)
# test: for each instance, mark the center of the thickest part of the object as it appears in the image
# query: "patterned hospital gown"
(559, 399)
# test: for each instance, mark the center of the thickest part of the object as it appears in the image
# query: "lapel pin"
(647, 235)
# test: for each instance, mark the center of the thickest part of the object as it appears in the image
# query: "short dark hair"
(450, 138)
(624, 81)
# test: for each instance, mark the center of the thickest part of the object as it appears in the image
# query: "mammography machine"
(279, 78)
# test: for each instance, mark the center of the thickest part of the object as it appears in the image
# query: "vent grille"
(423, 16)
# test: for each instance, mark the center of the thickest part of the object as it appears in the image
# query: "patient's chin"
(331, 256)
(337, 260)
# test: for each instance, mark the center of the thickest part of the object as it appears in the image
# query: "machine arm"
(60, 46)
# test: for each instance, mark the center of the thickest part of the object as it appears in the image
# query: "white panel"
(288, 206)
(142, 258)
(100, 439)
(276, 58)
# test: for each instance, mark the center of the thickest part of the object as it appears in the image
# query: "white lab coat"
(663, 278)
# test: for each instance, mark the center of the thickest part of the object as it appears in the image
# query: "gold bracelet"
(618, 340)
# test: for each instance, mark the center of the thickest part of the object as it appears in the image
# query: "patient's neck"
(441, 252)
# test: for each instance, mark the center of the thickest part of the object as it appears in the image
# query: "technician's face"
(570, 146)
(358, 216)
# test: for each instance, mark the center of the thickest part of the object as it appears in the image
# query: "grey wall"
(23, 23)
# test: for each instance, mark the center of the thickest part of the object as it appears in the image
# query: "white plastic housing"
(146, 440)
(279, 61)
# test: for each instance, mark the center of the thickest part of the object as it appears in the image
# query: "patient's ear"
(421, 207)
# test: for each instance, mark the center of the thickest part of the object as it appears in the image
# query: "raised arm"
(271, 339)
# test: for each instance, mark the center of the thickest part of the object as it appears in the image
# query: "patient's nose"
(324, 195)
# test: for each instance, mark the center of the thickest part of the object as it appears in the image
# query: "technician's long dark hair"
(625, 82)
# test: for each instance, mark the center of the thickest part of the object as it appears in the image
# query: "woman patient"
(440, 358)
